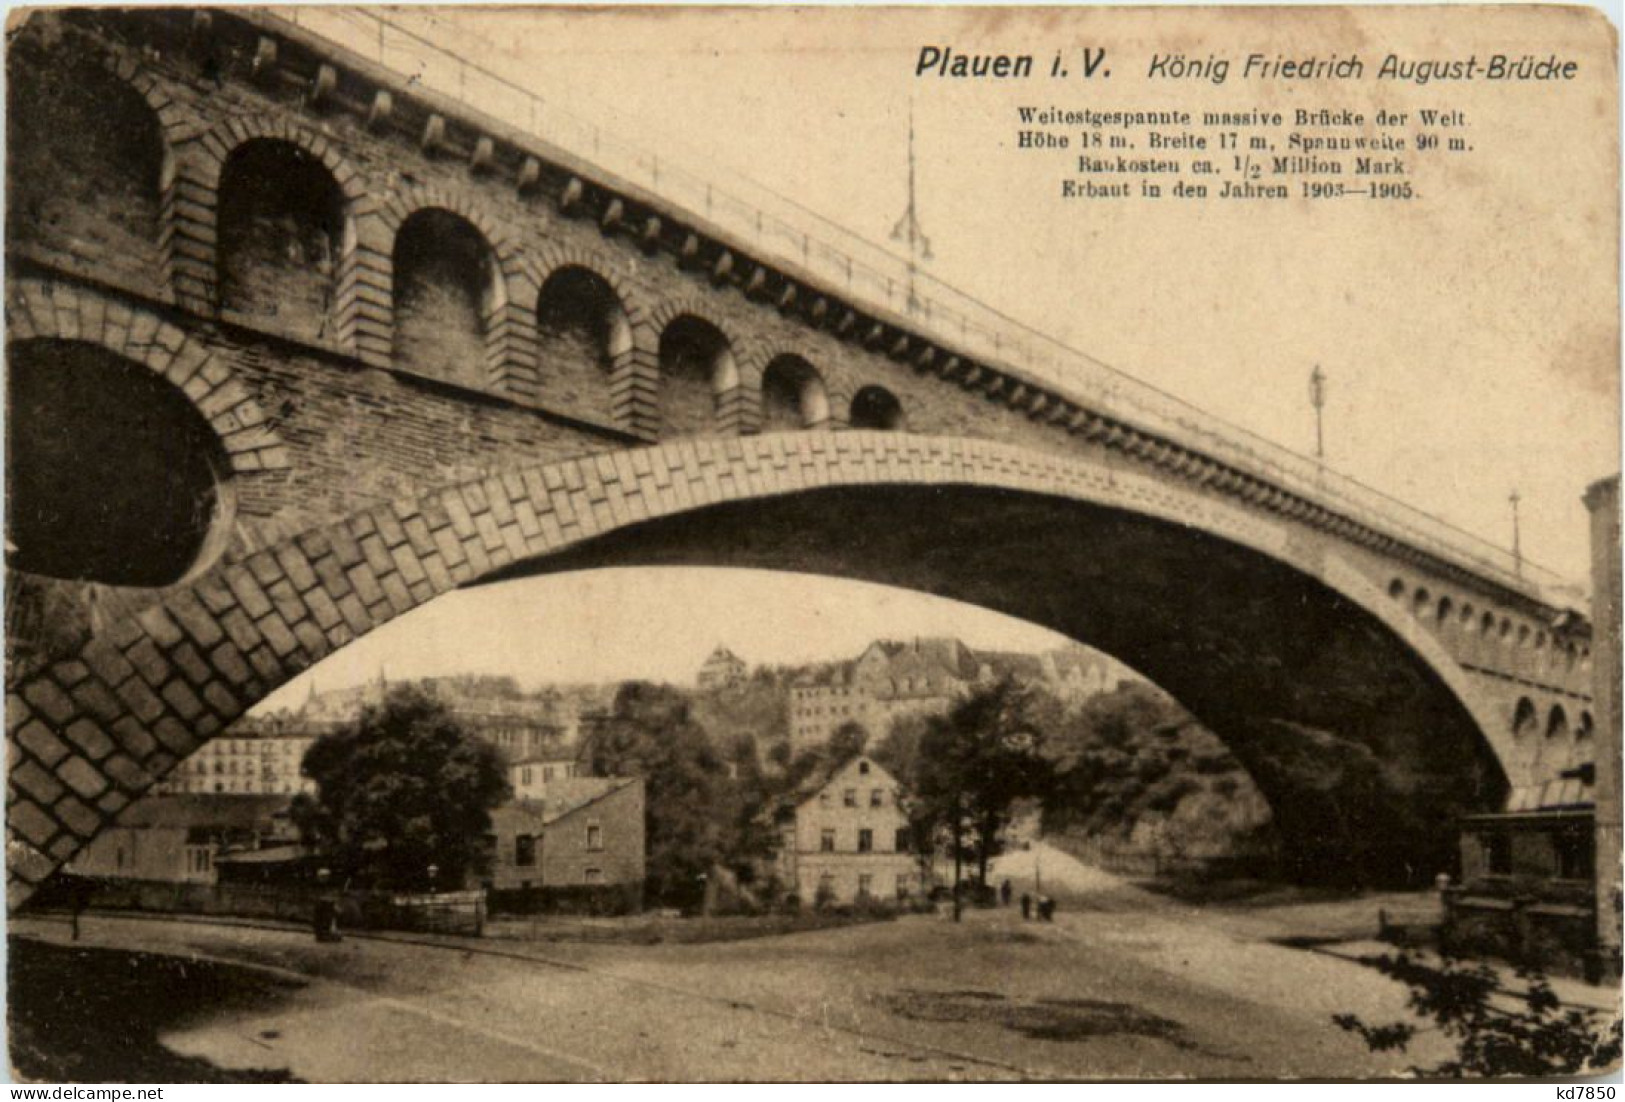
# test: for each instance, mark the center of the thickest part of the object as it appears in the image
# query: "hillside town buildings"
(891, 679)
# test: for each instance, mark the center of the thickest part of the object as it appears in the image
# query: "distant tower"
(908, 229)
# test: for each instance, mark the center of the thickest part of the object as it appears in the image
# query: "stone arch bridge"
(295, 346)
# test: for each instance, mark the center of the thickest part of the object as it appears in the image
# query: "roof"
(267, 855)
(203, 810)
(819, 779)
(1551, 795)
(564, 796)
(557, 757)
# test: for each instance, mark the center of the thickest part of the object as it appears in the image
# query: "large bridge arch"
(92, 730)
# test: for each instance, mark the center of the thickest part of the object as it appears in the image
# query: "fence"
(847, 263)
(447, 912)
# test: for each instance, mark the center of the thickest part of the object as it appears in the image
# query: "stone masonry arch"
(633, 402)
(753, 373)
(91, 731)
(738, 408)
(194, 230)
(39, 309)
(510, 324)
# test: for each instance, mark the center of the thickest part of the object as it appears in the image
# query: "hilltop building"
(722, 669)
(926, 677)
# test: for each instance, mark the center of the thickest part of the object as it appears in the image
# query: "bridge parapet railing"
(873, 276)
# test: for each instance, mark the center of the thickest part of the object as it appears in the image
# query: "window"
(866, 841)
(863, 767)
(823, 799)
(593, 876)
(826, 885)
(524, 775)
(118, 858)
(851, 797)
(902, 840)
(198, 859)
(877, 798)
(1498, 854)
(1575, 858)
(524, 851)
(826, 841)
(595, 837)
(866, 882)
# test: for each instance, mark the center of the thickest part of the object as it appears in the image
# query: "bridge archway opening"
(447, 287)
(581, 332)
(282, 226)
(793, 395)
(1113, 733)
(81, 140)
(1524, 718)
(697, 368)
(112, 475)
(1364, 754)
(875, 407)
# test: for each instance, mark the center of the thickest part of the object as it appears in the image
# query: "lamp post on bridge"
(1517, 536)
(1317, 398)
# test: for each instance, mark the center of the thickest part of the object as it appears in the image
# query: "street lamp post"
(1317, 398)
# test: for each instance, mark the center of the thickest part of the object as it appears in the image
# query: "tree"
(403, 788)
(692, 814)
(847, 741)
(976, 761)
(1538, 1039)
(899, 751)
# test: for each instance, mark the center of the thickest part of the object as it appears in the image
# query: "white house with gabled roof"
(843, 834)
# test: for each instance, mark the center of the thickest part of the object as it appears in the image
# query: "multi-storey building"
(254, 758)
(843, 836)
(532, 777)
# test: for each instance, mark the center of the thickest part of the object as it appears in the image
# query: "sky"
(1470, 341)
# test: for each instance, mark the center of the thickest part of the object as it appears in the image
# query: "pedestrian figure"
(1004, 893)
(1026, 907)
(1046, 908)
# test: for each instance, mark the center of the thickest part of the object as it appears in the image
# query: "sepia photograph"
(675, 544)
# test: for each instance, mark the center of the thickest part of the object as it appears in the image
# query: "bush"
(600, 900)
(1539, 1039)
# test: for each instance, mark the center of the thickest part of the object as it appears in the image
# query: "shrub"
(823, 897)
(1539, 1039)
